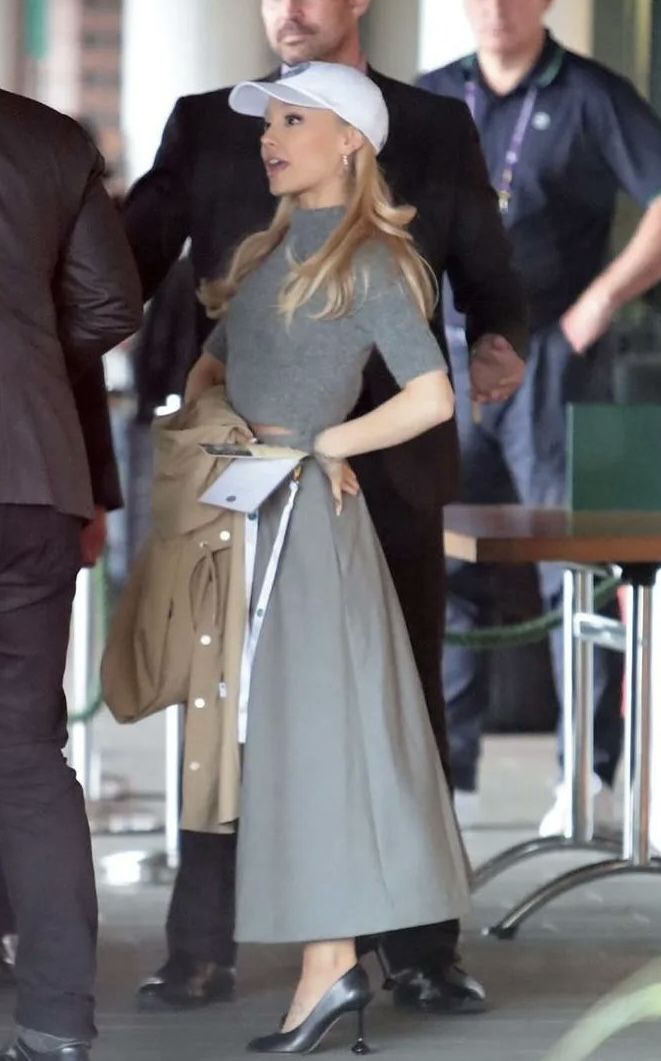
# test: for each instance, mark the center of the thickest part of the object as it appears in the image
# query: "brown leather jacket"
(69, 293)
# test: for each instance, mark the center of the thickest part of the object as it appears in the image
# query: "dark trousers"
(521, 445)
(201, 917)
(44, 837)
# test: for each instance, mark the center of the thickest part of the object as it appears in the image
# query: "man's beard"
(313, 48)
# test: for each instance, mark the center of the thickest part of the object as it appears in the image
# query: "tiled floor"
(563, 961)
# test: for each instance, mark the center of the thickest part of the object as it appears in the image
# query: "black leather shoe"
(351, 994)
(447, 990)
(185, 982)
(18, 1051)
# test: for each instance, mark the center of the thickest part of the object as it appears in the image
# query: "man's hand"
(93, 538)
(496, 370)
(587, 320)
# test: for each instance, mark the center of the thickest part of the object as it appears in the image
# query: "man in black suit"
(207, 183)
(69, 293)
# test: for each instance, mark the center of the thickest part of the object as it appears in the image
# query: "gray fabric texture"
(347, 826)
(307, 376)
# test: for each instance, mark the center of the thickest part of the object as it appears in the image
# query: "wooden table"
(514, 534)
(580, 541)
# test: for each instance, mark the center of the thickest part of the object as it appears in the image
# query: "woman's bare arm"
(207, 372)
(425, 402)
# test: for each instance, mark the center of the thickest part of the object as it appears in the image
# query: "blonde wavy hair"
(371, 214)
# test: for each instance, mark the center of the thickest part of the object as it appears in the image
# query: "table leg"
(578, 597)
(636, 853)
(638, 729)
(578, 708)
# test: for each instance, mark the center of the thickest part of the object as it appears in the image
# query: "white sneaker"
(556, 819)
(467, 808)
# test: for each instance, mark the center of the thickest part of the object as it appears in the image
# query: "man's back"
(68, 294)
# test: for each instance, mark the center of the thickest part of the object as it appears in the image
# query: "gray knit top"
(307, 376)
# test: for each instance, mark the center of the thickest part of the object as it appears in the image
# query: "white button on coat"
(205, 639)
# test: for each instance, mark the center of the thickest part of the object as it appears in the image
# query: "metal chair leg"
(578, 597)
(549, 845)
(508, 927)
(636, 851)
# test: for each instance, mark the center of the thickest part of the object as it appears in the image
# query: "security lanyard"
(254, 625)
(513, 156)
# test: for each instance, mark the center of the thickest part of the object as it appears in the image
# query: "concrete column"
(172, 49)
(573, 24)
(10, 44)
(58, 73)
(391, 32)
(445, 34)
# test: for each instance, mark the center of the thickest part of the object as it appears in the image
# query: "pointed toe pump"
(351, 994)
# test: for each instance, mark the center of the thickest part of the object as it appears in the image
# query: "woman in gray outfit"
(347, 826)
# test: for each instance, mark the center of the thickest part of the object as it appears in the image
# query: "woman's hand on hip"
(341, 476)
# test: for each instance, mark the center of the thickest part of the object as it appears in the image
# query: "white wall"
(391, 37)
(175, 47)
(445, 34)
(572, 22)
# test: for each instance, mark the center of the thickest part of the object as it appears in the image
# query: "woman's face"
(303, 149)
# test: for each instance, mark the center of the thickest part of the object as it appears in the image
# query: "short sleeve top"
(307, 375)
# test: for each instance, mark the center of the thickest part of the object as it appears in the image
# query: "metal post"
(655, 811)
(568, 705)
(578, 708)
(638, 728)
(584, 731)
(140, 866)
(77, 679)
(173, 738)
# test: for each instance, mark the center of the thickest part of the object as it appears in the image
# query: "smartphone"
(226, 449)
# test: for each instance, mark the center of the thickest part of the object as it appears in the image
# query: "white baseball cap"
(324, 86)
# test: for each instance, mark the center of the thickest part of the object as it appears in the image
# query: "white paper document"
(246, 483)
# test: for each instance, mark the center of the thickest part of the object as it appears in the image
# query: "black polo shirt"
(590, 136)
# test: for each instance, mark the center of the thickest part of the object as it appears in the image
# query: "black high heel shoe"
(351, 994)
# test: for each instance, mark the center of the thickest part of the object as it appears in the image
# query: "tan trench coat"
(177, 632)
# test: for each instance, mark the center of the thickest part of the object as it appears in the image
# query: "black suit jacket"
(69, 293)
(208, 183)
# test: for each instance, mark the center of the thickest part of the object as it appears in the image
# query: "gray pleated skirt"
(347, 826)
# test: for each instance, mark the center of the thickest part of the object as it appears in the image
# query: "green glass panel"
(614, 456)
